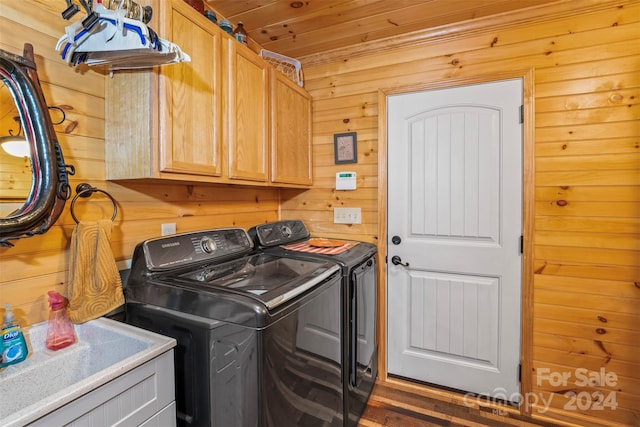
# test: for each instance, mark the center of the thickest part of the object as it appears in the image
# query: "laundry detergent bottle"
(13, 346)
(60, 332)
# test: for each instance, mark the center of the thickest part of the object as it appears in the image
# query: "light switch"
(347, 215)
(168, 229)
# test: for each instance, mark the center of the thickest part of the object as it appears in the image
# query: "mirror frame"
(50, 185)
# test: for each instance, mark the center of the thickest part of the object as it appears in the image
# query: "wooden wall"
(38, 264)
(585, 293)
(587, 189)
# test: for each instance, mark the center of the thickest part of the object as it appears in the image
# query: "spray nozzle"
(56, 301)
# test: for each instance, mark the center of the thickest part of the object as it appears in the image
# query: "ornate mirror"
(35, 186)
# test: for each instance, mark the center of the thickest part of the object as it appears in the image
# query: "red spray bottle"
(60, 332)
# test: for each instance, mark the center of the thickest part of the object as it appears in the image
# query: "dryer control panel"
(279, 233)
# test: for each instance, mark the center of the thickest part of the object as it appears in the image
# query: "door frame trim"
(528, 199)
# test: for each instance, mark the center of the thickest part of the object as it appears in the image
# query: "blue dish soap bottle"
(14, 348)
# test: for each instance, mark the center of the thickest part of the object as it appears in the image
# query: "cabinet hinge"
(521, 244)
(521, 114)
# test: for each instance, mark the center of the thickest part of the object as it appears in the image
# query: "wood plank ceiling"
(301, 28)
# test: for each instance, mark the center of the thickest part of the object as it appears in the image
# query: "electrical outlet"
(168, 229)
(347, 215)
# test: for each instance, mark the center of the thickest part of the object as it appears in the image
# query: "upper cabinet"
(225, 117)
(248, 113)
(190, 97)
(290, 132)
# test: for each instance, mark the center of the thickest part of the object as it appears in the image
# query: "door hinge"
(521, 244)
(521, 114)
(520, 372)
(386, 259)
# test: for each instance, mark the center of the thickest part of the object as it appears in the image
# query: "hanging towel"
(94, 287)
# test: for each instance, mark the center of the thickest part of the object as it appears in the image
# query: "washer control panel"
(279, 233)
(199, 246)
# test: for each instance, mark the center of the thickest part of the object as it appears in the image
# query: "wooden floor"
(397, 406)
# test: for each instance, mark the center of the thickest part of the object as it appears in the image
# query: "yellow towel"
(94, 287)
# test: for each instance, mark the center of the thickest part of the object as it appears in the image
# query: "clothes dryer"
(357, 262)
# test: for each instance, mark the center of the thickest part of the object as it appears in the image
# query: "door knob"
(396, 240)
(396, 260)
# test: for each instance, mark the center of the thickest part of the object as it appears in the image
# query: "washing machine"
(259, 338)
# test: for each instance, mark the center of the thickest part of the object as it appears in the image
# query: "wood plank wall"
(587, 192)
(38, 264)
(585, 58)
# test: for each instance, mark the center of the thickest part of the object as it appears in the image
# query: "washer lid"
(269, 279)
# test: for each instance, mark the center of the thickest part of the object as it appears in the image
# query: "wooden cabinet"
(290, 132)
(190, 94)
(247, 113)
(225, 117)
(166, 122)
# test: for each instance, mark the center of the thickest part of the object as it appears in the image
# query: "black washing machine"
(357, 262)
(259, 338)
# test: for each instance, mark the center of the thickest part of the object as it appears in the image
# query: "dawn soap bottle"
(60, 333)
(13, 348)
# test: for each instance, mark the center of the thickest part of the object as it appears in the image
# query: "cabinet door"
(248, 107)
(290, 132)
(190, 121)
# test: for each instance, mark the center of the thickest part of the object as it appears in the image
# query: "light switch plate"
(347, 215)
(168, 229)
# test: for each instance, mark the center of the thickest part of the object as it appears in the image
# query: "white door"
(455, 204)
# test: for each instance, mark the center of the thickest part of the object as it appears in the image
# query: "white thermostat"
(345, 181)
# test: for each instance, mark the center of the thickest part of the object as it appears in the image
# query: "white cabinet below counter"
(143, 395)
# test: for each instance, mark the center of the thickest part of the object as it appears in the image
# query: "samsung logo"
(170, 245)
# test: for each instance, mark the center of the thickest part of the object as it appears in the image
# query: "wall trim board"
(528, 200)
(450, 32)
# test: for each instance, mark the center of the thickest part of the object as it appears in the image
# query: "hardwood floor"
(394, 405)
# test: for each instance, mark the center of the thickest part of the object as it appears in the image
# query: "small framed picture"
(345, 148)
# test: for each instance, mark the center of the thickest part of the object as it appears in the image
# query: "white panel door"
(455, 203)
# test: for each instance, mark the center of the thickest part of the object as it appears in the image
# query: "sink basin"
(47, 379)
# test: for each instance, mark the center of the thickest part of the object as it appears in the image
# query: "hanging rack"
(110, 37)
(86, 190)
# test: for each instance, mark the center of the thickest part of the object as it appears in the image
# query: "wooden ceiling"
(300, 28)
